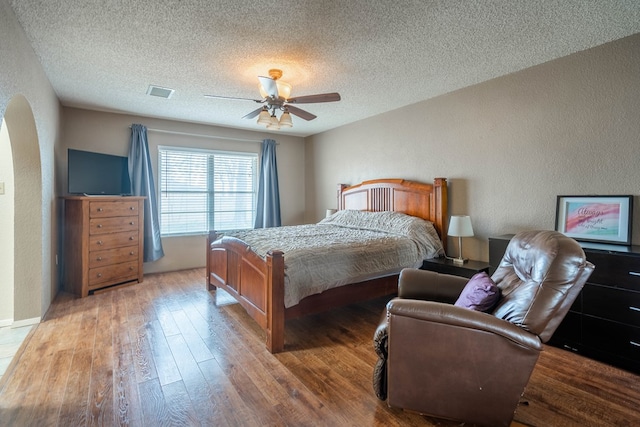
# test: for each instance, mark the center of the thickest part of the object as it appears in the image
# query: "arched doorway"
(25, 245)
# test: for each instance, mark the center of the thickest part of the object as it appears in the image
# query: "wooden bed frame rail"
(258, 284)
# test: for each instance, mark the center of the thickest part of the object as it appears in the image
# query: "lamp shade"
(274, 124)
(460, 226)
(285, 120)
(284, 90)
(264, 118)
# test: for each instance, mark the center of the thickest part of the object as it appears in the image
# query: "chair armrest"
(380, 336)
(380, 345)
(447, 314)
(429, 285)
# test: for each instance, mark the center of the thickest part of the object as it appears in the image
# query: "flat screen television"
(97, 174)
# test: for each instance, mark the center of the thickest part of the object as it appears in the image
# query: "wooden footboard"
(256, 283)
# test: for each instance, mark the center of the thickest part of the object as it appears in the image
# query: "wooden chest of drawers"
(103, 242)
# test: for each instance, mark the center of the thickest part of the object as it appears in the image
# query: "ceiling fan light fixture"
(285, 120)
(276, 97)
(264, 118)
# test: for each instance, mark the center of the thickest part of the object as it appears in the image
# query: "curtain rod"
(199, 135)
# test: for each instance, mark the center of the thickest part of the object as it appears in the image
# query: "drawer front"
(617, 270)
(112, 225)
(99, 242)
(117, 273)
(113, 256)
(613, 338)
(102, 209)
(615, 304)
(569, 332)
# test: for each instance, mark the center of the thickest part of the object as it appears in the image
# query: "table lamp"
(460, 226)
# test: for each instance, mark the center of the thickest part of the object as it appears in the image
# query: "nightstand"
(446, 266)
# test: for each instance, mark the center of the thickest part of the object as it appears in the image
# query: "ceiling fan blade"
(234, 98)
(253, 114)
(269, 86)
(300, 113)
(310, 99)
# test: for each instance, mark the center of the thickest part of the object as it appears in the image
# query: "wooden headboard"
(427, 201)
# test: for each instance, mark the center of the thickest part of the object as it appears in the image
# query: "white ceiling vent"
(161, 92)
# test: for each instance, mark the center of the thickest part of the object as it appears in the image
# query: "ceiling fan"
(275, 97)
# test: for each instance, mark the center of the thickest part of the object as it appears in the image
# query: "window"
(203, 190)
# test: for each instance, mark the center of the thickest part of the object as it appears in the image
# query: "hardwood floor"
(167, 352)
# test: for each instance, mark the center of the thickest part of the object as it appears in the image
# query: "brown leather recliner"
(451, 362)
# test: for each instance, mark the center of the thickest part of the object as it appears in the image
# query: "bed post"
(341, 188)
(275, 301)
(210, 238)
(440, 204)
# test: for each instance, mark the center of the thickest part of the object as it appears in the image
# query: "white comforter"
(347, 247)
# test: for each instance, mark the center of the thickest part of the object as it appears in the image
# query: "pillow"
(421, 231)
(480, 293)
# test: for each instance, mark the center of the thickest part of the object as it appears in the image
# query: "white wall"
(110, 133)
(508, 146)
(6, 228)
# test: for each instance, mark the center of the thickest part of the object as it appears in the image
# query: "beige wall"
(31, 110)
(110, 133)
(6, 228)
(508, 146)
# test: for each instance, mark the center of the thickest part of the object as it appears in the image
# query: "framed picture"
(602, 219)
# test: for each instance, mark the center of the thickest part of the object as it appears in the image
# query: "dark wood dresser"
(604, 322)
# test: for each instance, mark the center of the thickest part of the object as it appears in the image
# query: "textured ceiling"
(379, 55)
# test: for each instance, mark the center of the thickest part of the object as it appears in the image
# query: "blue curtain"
(268, 206)
(142, 184)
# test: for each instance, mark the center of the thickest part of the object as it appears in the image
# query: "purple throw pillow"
(480, 293)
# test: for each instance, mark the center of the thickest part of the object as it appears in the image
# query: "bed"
(256, 278)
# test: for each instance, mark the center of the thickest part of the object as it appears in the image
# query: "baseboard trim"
(6, 322)
(25, 322)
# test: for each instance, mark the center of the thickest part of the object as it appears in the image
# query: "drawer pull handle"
(633, 343)
(131, 253)
(131, 238)
(132, 208)
(130, 268)
(99, 225)
(99, 274)
(100, 209)
(99, 258)
(634, 273)
(632, 308)
(132, 223)
(99, 242)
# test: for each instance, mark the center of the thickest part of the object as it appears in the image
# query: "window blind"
(203, 190)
